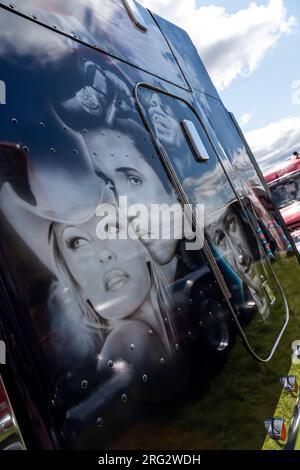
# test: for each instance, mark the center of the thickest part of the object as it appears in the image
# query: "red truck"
(284, 183)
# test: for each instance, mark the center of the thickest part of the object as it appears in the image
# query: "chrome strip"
(10, 435)
(135, 15)
(294, 428)
(195, 140)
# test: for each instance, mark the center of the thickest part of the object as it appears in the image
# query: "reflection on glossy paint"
(229, 227)
(106, 26)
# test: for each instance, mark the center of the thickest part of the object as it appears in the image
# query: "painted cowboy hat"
(33, 205)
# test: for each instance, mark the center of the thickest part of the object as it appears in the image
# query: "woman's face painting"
(113, 274)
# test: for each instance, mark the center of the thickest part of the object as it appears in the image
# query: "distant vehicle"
(284, 183)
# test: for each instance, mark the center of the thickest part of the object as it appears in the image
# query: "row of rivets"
(94, 45)
(14, 120)
(52, 150)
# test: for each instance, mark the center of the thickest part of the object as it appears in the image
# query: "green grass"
(288, 273)
(285, 408)
(230, 412)
(298, 442)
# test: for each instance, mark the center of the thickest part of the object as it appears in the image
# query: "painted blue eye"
(231, 225)
(219, 238)
(112, 229)
(76, 243)
(135, 180)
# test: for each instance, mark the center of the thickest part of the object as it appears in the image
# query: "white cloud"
(275, 142)
(245, 119)
(296, 92)
(230, 44)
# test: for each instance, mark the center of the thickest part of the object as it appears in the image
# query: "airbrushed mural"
(118, 324)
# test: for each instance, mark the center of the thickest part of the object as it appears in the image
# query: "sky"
(251, 50)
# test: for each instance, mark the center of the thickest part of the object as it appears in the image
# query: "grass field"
(289, 275)
(229, 413)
